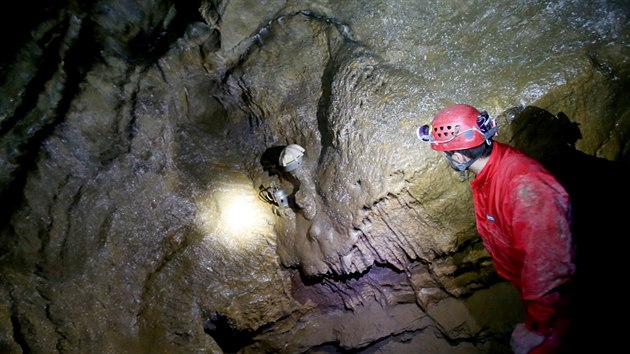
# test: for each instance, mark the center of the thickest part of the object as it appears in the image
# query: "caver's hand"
(523, 340)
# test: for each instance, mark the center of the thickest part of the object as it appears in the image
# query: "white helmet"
(291, 157)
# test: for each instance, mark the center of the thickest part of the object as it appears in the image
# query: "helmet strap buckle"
(461, 167)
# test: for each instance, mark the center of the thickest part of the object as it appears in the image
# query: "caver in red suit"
(523, 215)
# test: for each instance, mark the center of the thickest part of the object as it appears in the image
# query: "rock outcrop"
(140, 143)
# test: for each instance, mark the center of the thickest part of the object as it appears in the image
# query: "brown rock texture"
(140, 143)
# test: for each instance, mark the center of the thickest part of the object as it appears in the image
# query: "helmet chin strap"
(460, 167)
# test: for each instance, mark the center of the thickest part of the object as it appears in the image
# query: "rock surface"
(140, 143)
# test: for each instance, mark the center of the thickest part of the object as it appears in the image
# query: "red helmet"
(458, 127)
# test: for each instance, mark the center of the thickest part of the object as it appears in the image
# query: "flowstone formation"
(141, 146)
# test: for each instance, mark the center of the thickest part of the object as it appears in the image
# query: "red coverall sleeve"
(541, 228)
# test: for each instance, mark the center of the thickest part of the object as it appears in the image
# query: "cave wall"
(133, 130)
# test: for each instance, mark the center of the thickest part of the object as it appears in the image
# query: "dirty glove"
(523, 340)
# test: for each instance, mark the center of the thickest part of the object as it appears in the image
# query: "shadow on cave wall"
(598, 189)
(596, 185)
(229, 338)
